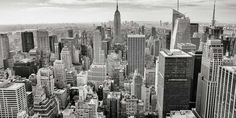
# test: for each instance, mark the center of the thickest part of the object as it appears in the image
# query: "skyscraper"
(174, 81)
(59, 74)
(136, 50)
(4, 49)
(113, 105)
(99, 56)
(197, 60)
(117, 26)
(45, 78)
(12, 99)
(41, 40)
(181, 32)
(176, 15)
(193, 28)
(207, 81)
(27, 41)
(137, 83)
(66, 57)
(225, 97)
(52, 41)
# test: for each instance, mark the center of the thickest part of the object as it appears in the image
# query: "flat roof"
(182, 113)
(11, 86)
(175, 53)
(136, 36)
(230, 68)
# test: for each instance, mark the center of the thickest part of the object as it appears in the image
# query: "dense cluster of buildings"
(132, 72)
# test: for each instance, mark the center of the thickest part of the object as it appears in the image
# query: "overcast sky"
(76, 11)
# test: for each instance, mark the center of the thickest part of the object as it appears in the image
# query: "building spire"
(117, 5)
(177, 5)
(214, 12)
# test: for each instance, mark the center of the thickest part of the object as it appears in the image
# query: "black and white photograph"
(118, 59)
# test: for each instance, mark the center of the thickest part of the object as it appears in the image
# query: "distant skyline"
(86, 11)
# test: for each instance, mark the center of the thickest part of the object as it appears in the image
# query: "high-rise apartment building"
(59, 74)
(113, 105)
(136, 52)
(41, 40)
(12, 99)
(45, 78)
(225, 96)
(174, 81)
(27, 41)
(99, 56)
(136, 86)
(66, 57)
(4, 49)
(207, 81)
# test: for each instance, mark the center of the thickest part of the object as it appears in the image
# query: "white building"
(225, 96)
(66, 57)
(181, 32)
(45, 78)
(181, 114)
(22, 114)
(82, 78)
(12, 99)
(59, 73)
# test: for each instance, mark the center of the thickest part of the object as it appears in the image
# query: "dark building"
(174, 81)
(193, 28)
(52, 41)
(226, 46)
(197, 60)
(165, 42)
(105, 47)
(214, 32)
(70, 33)
(60, 46)
(143, 30)
(25, 68)
(102, 31)
(233, 47)
(84, 50)
(27, 41)
(154, 32)
(196, 41)
(113, 105)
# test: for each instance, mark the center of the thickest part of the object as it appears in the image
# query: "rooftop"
(10, 86)
(136, 36)
(214, 42)
(26, 60)
(182, 114)
(230, 68)
(174, 53)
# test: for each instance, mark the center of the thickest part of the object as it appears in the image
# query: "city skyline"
(90, 11)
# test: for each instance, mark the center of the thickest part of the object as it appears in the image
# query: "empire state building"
(117, 26)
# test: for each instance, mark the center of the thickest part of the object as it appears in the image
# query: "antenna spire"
(177, 5)
(214, 12)
(117, 5)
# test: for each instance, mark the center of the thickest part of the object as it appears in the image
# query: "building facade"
(174, 81)
(136, 52)
(12, 99)
(207, 81)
